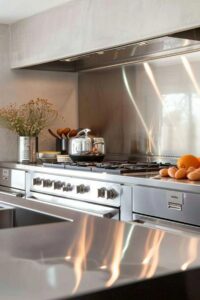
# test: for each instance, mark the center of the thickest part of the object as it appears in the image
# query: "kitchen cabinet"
(83, 26)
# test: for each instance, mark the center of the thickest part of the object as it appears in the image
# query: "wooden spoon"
(59, 132)
(65, 131)
(72, 133)
(53, 134)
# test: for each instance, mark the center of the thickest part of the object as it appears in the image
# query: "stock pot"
(83, 147)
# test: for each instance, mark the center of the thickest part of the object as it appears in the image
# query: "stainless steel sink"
(25, 217)
(6, 216)
(16, 217)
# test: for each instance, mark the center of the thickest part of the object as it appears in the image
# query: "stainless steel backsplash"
(145, 109)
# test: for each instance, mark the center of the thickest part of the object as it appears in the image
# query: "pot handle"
(98, 143)
(85, 131)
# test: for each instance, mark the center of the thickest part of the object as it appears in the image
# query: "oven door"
(11, 192)
(89, 208)
(156, 223)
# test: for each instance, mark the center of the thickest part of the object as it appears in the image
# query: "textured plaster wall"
(22, 85)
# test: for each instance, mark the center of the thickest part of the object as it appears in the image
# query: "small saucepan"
(83, 147)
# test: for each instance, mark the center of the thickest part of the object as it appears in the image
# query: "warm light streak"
(160, 97)
(114, 266)
(143, 43)
(186, 43)
(152, 248)
(190, 73)
(80, 248)
(148, 132)
(133, 50)
(153, 81)
(104, 267)
(67, 257)
(192, 253)
(127, 241)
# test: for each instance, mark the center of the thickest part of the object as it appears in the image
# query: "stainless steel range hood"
(176, 44)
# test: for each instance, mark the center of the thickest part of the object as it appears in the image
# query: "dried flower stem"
(28, 119)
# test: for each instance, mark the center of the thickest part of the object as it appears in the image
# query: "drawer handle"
(176, 206)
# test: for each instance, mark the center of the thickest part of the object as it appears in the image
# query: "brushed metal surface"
(12, 178)
(92, 209)
(91, 195)
(170, 226)
(6, 216)
(180, 43)
(166, 204)
(27, 148)
(24, 217)
(89, 254)
(146, 109)
(130, 179)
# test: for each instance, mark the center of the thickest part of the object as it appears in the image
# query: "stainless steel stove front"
(92, 196)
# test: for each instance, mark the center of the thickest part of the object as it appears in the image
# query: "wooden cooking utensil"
(53, 134)
(65, 131)
(72, 133)
(59, 132)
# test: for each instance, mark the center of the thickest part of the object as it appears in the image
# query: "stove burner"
(84, 164)
(111, 167)
(107, 165)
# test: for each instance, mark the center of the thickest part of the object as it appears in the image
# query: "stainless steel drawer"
(167, 204)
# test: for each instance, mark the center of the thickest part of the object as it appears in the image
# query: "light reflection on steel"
(147, 130)
(127, 242)
(152, 79)
(192, 253)
(80, 248)
(152, 249)
(190, 73)
(114, 254)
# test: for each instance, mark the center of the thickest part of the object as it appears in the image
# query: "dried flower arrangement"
(28, 119)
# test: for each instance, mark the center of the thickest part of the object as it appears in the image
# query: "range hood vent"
(176, 44)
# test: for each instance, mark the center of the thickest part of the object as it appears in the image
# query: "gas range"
(111, 167)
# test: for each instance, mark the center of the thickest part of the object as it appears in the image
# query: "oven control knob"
(81, 189)
(47, 183)
(37, 181)
(101, 193)
(58, 185)
(68, 187)
(111, 194)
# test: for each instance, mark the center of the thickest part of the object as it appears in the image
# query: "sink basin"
(25, 217)
(6, 216)
(17, 217)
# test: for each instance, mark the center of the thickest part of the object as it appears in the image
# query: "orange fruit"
(187, 161)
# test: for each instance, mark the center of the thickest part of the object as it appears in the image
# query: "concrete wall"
(82, 26)
(22, 85)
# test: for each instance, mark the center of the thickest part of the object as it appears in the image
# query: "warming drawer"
(167, 204)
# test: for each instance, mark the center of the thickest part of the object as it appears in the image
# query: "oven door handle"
(111, 214)
(92, 209)
(166, 225)
(10, 193)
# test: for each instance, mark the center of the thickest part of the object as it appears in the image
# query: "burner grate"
(111, 167)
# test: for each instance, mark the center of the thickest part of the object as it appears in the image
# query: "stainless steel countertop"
(72, 258)
(145, 179)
